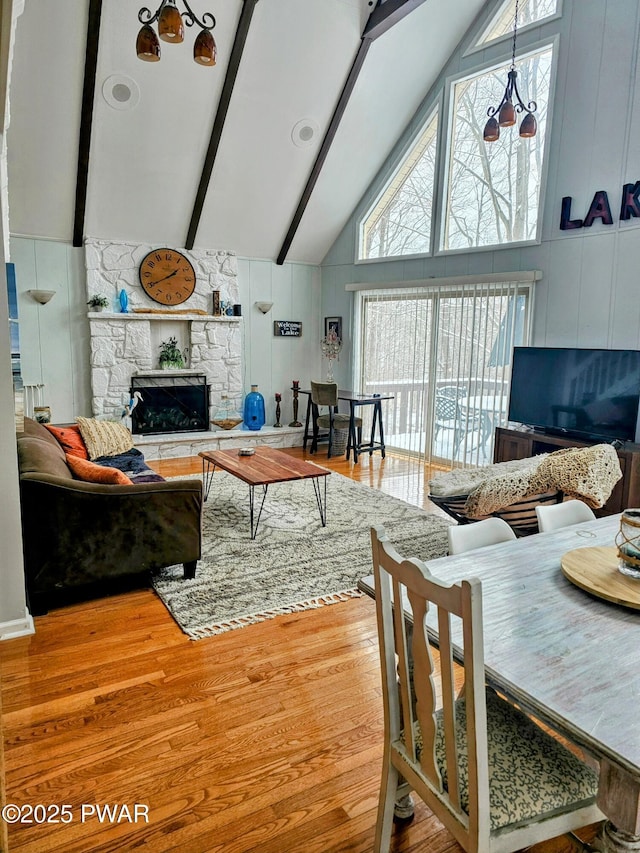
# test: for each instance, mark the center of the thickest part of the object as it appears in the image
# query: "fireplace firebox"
(170, 403)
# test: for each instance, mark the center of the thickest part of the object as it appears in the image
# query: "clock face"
(167, 276)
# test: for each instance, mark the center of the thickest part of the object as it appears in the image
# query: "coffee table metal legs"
(321, 498)
(254, 528)
(208, 471)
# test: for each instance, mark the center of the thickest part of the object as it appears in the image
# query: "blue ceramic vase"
(124, 302)
(254, 414)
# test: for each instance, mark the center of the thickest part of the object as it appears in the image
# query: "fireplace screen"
(170, 404)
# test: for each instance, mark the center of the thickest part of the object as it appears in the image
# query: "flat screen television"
(586, 393)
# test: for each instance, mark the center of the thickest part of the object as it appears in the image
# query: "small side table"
(376, 439)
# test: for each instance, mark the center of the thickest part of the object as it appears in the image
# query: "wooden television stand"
(520, 443)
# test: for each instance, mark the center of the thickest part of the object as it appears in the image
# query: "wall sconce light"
(265, 307)
(42, 296)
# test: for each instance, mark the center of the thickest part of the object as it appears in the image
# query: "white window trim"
(520, 276)
(434, 110)
(445, 150)
(476, 48)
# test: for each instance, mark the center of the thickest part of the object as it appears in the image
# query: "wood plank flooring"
(261, 740)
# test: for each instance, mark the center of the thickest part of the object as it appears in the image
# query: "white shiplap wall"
(54, 338)
(272, 362)
(589, 293)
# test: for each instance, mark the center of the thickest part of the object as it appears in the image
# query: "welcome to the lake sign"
(601, 209)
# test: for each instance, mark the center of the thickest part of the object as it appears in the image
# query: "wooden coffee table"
(262, 468)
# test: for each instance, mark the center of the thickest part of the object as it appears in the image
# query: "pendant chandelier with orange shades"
(507, 109)
(171, 30)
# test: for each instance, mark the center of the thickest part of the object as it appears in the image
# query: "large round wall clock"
(167, 276)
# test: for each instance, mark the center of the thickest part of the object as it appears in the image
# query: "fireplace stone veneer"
(124, 345)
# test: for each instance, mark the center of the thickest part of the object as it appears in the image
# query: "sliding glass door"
(444, 353)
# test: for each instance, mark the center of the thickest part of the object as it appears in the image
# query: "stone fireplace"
(125, 346)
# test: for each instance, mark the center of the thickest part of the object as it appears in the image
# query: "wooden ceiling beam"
(86, 119)
(384, 16)
(237, 50)
(329, 136)
(387, 14)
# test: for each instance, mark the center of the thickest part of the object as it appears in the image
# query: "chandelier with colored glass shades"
(171, 30)
(507, 109)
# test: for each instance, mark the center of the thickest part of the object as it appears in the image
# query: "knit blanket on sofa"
(586, 473)
(133, 465)
(462, 481)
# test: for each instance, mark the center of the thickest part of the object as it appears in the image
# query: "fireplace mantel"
(167, 371)
(206, 318)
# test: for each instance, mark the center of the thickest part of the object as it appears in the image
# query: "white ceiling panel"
(45, 103)
(146, 162)
(283, 79)
(152, 122)
(400, 69)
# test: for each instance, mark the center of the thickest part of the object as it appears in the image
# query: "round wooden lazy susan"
(596, 571)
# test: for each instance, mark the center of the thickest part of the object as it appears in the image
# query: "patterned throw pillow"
(82, 469)
(70, 440)
(104, 438)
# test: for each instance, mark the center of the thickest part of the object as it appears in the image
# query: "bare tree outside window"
(400, 221)
(416, 343)
(529, 12)
(494, 188)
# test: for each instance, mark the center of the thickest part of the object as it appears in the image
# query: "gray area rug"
(294, 563)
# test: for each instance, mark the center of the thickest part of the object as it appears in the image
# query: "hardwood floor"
(261, 740)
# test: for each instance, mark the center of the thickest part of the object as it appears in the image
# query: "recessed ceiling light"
(304, 132)
(120, 92)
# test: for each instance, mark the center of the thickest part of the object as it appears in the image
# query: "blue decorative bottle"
(254, 415)
(124, 301)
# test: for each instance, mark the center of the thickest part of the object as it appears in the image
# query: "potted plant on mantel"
(171, 356)
(98, 302)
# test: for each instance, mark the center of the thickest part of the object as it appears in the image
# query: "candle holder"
(278, 399)
(331, 346)
(296, 388)
(628, 542)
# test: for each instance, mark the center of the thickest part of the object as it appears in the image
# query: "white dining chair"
(466, 537)
(554, 516)
(489, 773)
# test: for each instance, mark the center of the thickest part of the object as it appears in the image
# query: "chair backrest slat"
(448, 716)
(402, 643)
(476, 707)
(425, 689)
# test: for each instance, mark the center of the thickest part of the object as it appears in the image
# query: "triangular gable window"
(400, 221)
(529, 12)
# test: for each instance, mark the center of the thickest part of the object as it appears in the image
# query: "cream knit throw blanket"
(586, 473)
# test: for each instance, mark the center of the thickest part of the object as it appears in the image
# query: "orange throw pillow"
(70, 439)
(82, 469)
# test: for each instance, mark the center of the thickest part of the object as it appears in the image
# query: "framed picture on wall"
(333, 324)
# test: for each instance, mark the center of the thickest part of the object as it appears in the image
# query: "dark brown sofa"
(79, 535)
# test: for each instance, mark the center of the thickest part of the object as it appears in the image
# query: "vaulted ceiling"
(130, 166)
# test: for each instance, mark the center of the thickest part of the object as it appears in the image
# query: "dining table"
(566, 653)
